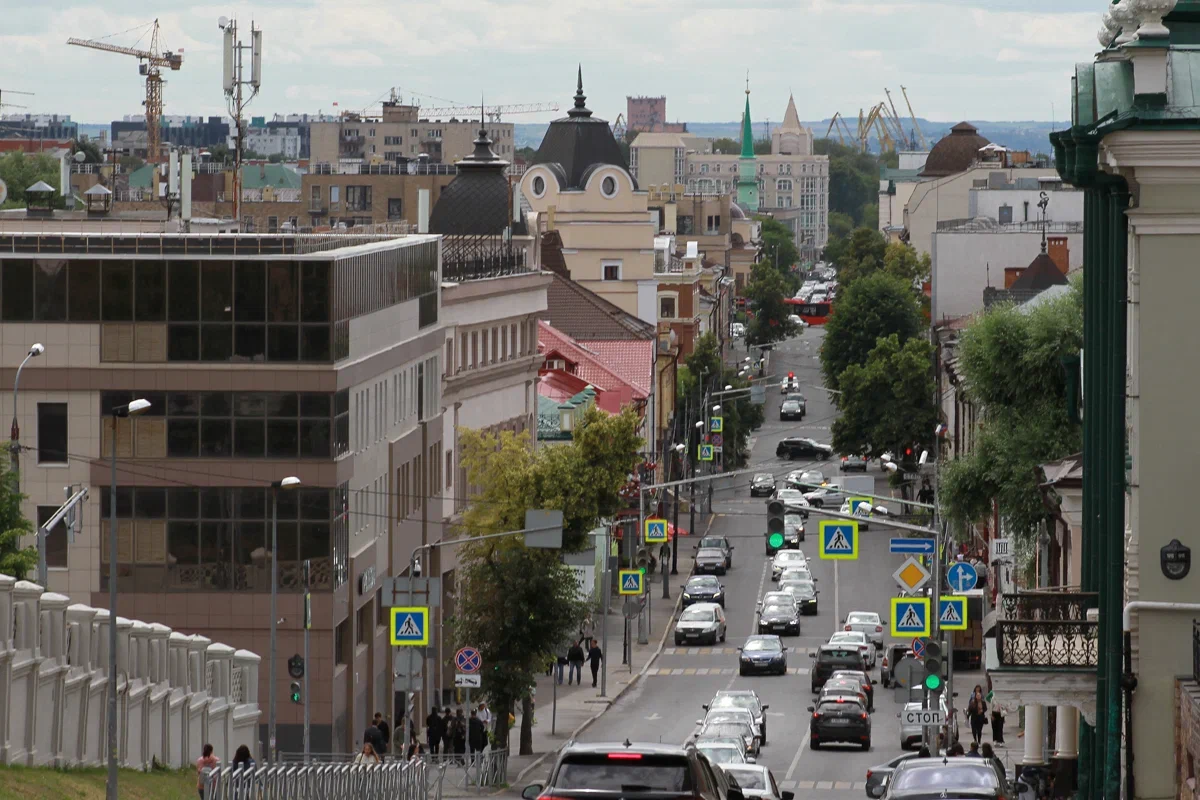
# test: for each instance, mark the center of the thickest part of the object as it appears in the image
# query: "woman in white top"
(367, 756)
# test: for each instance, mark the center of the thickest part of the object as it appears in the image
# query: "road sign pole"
(307, 666)
(837, 597)
(606, 592)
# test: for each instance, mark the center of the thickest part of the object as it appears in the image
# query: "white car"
(756, 782)
(866, 622)
(789, 384)
(857, 639)
(723, 754)
(793, 498)
(778, 598)
(737, 330)
(826, 496)
(795, 572)
(786, 559)
(801, 478)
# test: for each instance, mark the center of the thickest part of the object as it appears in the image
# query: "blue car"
(762, 654)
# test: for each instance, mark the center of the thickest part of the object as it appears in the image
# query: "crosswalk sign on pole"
(855, 502)
(716, 424)
(656, 530)
(706, 452)
(630, 581)
(952, 613)
(910, 616)
(839, 540)
(410, 626)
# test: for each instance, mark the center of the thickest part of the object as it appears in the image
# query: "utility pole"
(232, 83)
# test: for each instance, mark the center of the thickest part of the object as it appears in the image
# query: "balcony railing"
(1048, 630)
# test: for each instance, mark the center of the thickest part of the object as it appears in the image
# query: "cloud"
(837, 55)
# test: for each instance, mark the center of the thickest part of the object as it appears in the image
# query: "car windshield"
(794, 556)
(746, 701)
(764, 477)
(793, 519)
(613, 772)
(719, 729)
(695, 614)
(778, 609)
(763, 645)
(722, 753)
(849, 636)
(863, 618)
(712, 541)
(790, 404)
(778, 597)
(749, 778)
(710, 552)
(845, 674)
(728, 715)
(959, 774)
(703, 583)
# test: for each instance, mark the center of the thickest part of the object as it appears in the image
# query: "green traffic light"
(933, 682)
(775, 540)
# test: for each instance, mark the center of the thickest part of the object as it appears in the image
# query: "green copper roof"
(747, 131)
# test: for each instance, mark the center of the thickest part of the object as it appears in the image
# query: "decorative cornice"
(1140, 149)
(1163, 223)
(1013, 689)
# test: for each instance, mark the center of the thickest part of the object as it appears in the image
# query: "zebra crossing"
(665, 672)
(718, 651)
(839, 786)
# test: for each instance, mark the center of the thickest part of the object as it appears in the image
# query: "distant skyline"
(964, 59)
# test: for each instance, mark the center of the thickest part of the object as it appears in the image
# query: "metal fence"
(392, 780)
(474, 770)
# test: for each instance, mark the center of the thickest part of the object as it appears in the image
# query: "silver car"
(733, 714)
(795, 572)
(910, 735)
(742, 698)
(699, 624)
(868, 623)
(723, 754)
(848, 638)
(826, 496)
(785, 559)
(756, 781)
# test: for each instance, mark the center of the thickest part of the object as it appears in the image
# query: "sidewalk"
(579, 706)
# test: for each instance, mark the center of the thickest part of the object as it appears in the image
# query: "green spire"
(747, 131)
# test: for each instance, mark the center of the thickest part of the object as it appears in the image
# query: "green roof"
(905, 175)
(747, 130)
(140, 177)
(258, 176)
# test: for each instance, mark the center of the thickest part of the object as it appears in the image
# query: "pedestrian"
(374, 737)
(575, 660)
(386, 731)
(460, 735)
(448, 732)
(923, 752)
(476, 733)
(433, 731)
(485, 715)
(987, 752)
(368, 755)
(974, 751)
(560, 663)
(207, 761)
(594, 658)
(977, 713)
(997, 717)
(586, 630)
(956, 749)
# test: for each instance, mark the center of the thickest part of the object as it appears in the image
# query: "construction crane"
(4, 105)
(618, 128)
(839, 123)
(916, 126)
(894, 124)
(494, 113)
(152, 61)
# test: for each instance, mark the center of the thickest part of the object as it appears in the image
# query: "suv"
(852, 463)
(603, 771)
(830, 658)
(793, 448)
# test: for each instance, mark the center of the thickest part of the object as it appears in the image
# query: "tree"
(840, 225)
(726, 146)
(778, 244)
(765, 295)
(887, 403)
(876, 306)
(15, 560)
(762, 147)
(526, 153)
(20, 171)
(90, 150)
(1012, 363)
(275, 158)
(859, 255)
(741, 416)
(901, 259)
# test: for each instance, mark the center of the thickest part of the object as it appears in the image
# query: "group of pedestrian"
(454, 733)
(376, 739)
(977, 715)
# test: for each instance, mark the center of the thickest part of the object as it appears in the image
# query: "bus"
(811, 313)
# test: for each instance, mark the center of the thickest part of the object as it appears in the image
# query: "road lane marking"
(824, 785)
(843, 785)
(796, 759)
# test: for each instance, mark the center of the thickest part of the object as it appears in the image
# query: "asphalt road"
(666, 704)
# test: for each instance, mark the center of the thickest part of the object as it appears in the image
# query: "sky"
(959, 59)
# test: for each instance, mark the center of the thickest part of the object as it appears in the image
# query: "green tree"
(765, 294)
(887, 403)
(778, 244)
(90, 150)
(901, 259)
(526, 153)
(726, 146)
(840, 225)
(1012, 361)
(275, 158)
(20, 171)
(868, 309)
(741, 416)
(15, 560)
(762, 147)
(858, 255)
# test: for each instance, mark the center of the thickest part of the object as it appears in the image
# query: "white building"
(271, 141)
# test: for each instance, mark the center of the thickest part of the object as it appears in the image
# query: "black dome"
(578, 141)
(475, 203)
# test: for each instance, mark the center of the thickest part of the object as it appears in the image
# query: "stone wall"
(175, 693)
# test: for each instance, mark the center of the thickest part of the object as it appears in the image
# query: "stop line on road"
(663, 672)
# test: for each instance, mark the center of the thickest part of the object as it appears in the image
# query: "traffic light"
(775, 511)
(933, 666)
(791, 375)
(642, 560)
(295, 694)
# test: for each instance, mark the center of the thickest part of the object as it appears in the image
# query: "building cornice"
(1155, 222)
(461, 383)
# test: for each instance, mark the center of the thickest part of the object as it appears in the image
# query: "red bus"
(812, 313)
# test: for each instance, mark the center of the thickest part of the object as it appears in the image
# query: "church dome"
(475, 203)
(954, 153)
(579, 141)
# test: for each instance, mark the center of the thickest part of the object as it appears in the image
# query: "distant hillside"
(1017, 135)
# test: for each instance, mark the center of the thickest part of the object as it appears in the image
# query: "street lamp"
(717, 409)
(729, 387)
(34, 352)
(130, 409)
(289, 482)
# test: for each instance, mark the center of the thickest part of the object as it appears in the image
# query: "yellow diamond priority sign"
(911, 576)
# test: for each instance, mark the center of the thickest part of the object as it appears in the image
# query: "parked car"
(762, 485)
(737, 330)
(700, 623)
(794, 447)
(762, 654)
(854, 463)
(839, 720)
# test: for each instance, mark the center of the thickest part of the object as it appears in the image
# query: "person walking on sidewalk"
(587, 629)
(575, 660)
(476, 734)
(594, 658)
(433, 731)
(460, 735)
(977, 713)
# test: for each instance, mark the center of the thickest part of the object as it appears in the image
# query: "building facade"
(649, 114)
(400, 134)
(190, 132)
(38, 126)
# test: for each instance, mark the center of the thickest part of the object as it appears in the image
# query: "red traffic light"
(791, 374)
(908, 451)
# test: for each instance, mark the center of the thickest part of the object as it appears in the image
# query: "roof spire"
(747, 130)
(483, 152)
(580, 109)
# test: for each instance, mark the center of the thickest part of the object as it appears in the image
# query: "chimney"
(1059, 252)
(1011, 274)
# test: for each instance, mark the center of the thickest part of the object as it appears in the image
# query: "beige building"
(399, 133)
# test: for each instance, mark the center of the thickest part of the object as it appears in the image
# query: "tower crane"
(494, 113)
(895, 125)
(4, 105)
(916, 126)
(151, 63)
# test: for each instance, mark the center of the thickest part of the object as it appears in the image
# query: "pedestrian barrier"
(391, 780)
(475, 770)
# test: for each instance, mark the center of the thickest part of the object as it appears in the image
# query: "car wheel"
(714, 640)
(741, 672)
(866, 745)
(678, 642)
(816, 504)
(814, 744)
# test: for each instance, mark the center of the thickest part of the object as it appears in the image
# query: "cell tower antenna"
(239, 91)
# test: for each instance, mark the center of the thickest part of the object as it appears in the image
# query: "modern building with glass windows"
(262, 357)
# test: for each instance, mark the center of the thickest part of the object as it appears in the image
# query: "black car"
(762, 654)
(864, 681)
(942, 777)
(793, 530)
(606, 771)
(793, 448)
(854, 464)
(720, 543)
(790, 409)
(779, 619)
(840, 720)
(806, 597)
(830, 658)
(799, 398)
(763, 485)
(703, 589)
(710, 560)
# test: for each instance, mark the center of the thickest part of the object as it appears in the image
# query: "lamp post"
(15, 447)
(130, 409)
(287, 483)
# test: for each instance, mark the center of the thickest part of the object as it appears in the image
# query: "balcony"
(1045, 650)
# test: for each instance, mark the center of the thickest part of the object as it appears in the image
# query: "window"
(714, 224)
(335, 196)
(611, 270)
(783, 201)
(358, 198)
(341, 643)
(366, 623)
(395, 209)
(539, 186)
(272, 224)
(1005, 213)
(449, 468)
(56, 539)
(783, 185)
(608, 186)
(666, 306)
(52, 433)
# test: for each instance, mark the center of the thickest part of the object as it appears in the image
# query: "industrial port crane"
(152, 61)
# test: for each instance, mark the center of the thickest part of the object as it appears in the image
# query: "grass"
(43, 783)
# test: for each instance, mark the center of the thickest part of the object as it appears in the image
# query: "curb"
(662, 642)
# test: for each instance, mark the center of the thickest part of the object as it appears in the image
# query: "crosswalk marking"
(824, 785)
(673, 672)
(839, 786)
(711, 651)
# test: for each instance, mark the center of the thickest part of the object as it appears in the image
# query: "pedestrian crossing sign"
(910, 616)
(855, 502)
(952, 613)
(410, 626)
(716, 424)
(656, 530)
(839, 540)
(706, 452)
(631, 581)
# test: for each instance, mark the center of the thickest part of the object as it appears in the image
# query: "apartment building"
(649, 114)
(263, 357)
(38, 126)
(197, 132)
(399, 134)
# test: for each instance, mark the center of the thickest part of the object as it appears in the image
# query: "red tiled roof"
(560, 386)
(586, 316)
(633, 361)
(590, 367)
